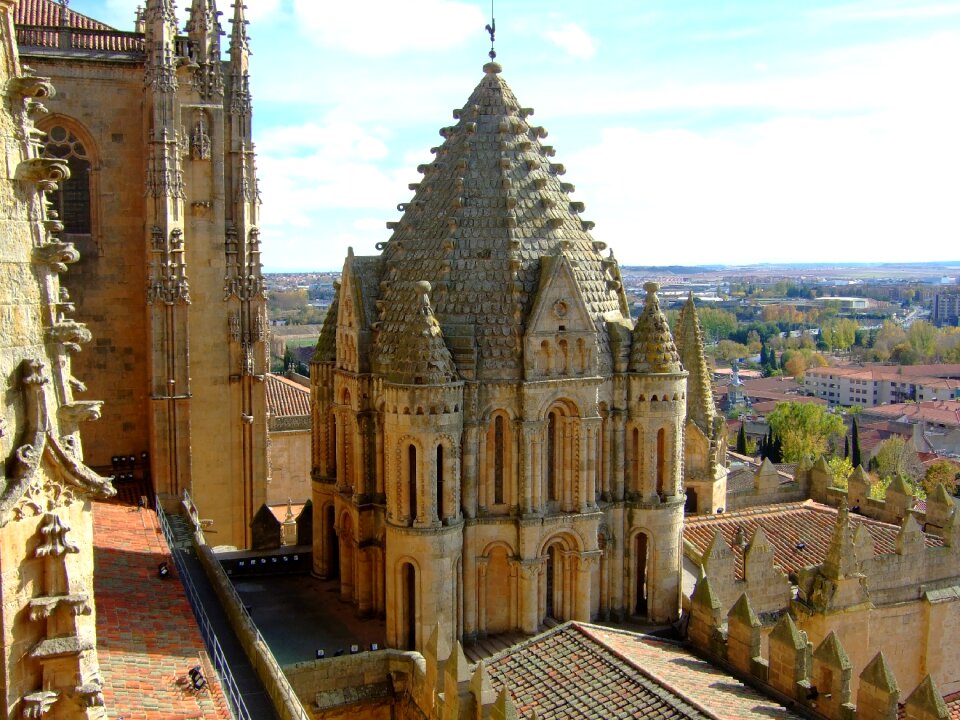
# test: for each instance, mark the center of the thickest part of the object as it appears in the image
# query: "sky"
(695, 131)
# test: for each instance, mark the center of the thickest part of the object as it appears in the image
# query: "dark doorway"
(690, 506)
(410, 607)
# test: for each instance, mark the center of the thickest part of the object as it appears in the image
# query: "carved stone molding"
(30, 86)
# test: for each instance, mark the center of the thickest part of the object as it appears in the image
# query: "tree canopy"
(805, 429)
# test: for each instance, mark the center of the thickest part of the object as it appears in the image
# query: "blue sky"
(695, 131)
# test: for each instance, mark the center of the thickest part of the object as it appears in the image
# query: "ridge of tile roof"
(489, 207)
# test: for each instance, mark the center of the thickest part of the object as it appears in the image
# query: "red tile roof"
(786, 525)
(940, 412)
(286, 398)
(147, 638)
(48, 13)
(567, 673)
(34, 17)
(687, 675)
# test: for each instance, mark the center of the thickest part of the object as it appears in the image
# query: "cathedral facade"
(496, 442)
(162, 203)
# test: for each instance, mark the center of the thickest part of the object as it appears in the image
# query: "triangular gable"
(351, 312)
(559, 304)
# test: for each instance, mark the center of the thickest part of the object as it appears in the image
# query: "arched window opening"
(637, 461)
(551, 581)
(71, 199)
(642, 589)
(409, 575)
(333, 545)
(552, 456)
(441, 512)
(661, 460)
(334, 444)
(498, 460)
(690, 506)
(412, 480)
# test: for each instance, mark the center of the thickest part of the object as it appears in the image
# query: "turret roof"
(490, 206)
(411, 346)
(700, 406)
(653, 349)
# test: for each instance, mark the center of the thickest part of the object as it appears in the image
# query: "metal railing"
(238, 707)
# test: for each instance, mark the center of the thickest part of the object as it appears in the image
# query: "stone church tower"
(495, 442)
(48, 657)
(163, 204)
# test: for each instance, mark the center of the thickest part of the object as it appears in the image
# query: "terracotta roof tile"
(147, 637)
(48, 13)
(566, 672)
(694, 679)
(786, 525)
(940, 412)
(286, 398)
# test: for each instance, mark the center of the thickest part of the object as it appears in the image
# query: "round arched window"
(72, 198)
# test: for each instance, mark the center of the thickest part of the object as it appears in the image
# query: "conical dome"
(414, 341)
(653, 349)
(700, 406)
(490, 206)
(326, 348)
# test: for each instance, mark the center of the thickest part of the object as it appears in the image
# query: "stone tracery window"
(71, 200)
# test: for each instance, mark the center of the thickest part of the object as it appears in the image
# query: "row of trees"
(801, 432)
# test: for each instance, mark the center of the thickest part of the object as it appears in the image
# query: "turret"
(422, 427)
(656, 410)
(657, 405)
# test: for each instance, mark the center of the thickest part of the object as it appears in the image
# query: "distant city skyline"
(695, 132)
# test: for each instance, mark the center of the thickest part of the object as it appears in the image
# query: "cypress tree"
(855, 459)
(763, 355)
(742, 441)
(846, 446)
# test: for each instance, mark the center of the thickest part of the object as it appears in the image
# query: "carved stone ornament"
(80, 411)
(91, 693)
(45, 173)
(31, 86)
(70, 334)
(29, 493)
(560, 309)
(200, 146)
(55, 542)
(56, 254)
(36, 705)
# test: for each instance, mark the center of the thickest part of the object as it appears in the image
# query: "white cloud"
(574, 40)
(386, 27)
(889, 10)
(256, 9)
(860, 188)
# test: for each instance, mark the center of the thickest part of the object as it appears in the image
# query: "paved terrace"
(147, 639)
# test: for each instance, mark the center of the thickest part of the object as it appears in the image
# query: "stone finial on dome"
(653, 349)
(700, 407)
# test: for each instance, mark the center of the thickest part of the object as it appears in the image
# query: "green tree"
(717, 324)
(742, 441)
(840, 468)
(894, 457)
(805, 430)
(941, 473)
(923, 340)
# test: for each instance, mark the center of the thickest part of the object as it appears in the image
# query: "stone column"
(585, 562)
(592, 428)
(378, 469)
(471, 435)
(617, 454)
(526, 435)
(482, 595)
(529, 594)
(536, 471)
(606, 457)
(470, 592)
(338, 450)
(364, 583)
(566, 471)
